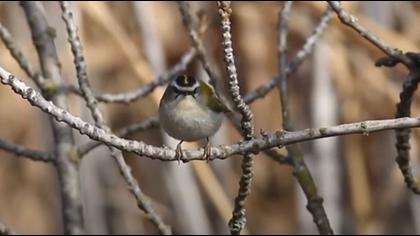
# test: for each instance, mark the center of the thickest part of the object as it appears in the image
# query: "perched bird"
(191, 110)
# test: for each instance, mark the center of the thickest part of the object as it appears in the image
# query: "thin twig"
(6, 231)
(17, 54)
(43, 38)
(296, 61)
(18, 150)
(128, 97)
(149, 123)
(351, 21)
(300, 169)
(79, 61)
(142, 200)
(132, 96)
(238, 220)
(411, 61)
(191, 25)
(278, 139)
(282, 52)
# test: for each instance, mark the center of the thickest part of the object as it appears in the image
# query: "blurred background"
(128, 44)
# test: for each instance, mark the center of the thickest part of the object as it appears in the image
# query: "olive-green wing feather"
(212, 100)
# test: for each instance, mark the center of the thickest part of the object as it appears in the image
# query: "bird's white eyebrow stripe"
(186, 88)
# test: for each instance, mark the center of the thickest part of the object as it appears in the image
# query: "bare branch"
(296, 61)
(300, 169)
(142, 200)
(43, 38)
(411, 61)
(128, 97)
(278, 139)
(25, 152)
(351, 21)
(150, 123)
(79, 61)
(191, 25)
(17, 54)
(238, 220)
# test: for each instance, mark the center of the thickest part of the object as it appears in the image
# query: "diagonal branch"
(18, 150)
(150, 123)
(79, 61)
(128, 97)
(191, 25)
(142, 200)
(351, 22)
(412, 62)
(296, 61)
(17, 54)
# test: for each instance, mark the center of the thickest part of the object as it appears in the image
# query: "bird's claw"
(207, 152)
(178, 153)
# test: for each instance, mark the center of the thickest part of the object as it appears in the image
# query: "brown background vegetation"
(364, 192)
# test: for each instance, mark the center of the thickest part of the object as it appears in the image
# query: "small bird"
(190, 110)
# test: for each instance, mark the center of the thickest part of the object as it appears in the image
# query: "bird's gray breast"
(188, 120)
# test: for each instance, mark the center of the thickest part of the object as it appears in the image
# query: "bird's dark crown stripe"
(185, 83)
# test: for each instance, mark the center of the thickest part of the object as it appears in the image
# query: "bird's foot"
(207, 151)
(178, 152)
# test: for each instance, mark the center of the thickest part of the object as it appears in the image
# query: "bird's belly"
(191, 124)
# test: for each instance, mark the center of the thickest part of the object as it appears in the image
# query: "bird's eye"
(196, 91)
(176, 91)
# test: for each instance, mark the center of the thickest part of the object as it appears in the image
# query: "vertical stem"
(238, 221)
(191, 25)
(301, 171)
(143, 201)
(403, 135)
(282, 51)
(43, 38)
